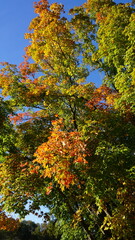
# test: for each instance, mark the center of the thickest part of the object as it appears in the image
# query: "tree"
(73, 142)
(31, 231)
(6, 145)
(115, 52)
(8, 223)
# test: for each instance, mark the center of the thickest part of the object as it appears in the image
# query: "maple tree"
(69, 145)
(8, 223)
(115, 52)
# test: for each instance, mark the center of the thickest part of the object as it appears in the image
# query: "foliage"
(71, 144)
(115, 52)
(7, 223)
(31, 231)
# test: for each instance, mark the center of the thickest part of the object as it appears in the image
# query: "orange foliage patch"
(58, 154)
(8, 223)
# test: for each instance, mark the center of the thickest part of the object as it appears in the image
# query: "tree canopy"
(65, 143)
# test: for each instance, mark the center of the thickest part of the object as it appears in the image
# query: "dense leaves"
(7, 223)
(68, 145)
(115, 53)
(32, 231)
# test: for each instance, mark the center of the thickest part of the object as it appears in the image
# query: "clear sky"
(15, 16)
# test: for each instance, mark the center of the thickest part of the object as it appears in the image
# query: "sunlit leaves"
(65, 143)
(52, 44)
(59, 153)
(115, 54)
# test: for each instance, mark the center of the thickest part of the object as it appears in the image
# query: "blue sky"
(15, 16)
